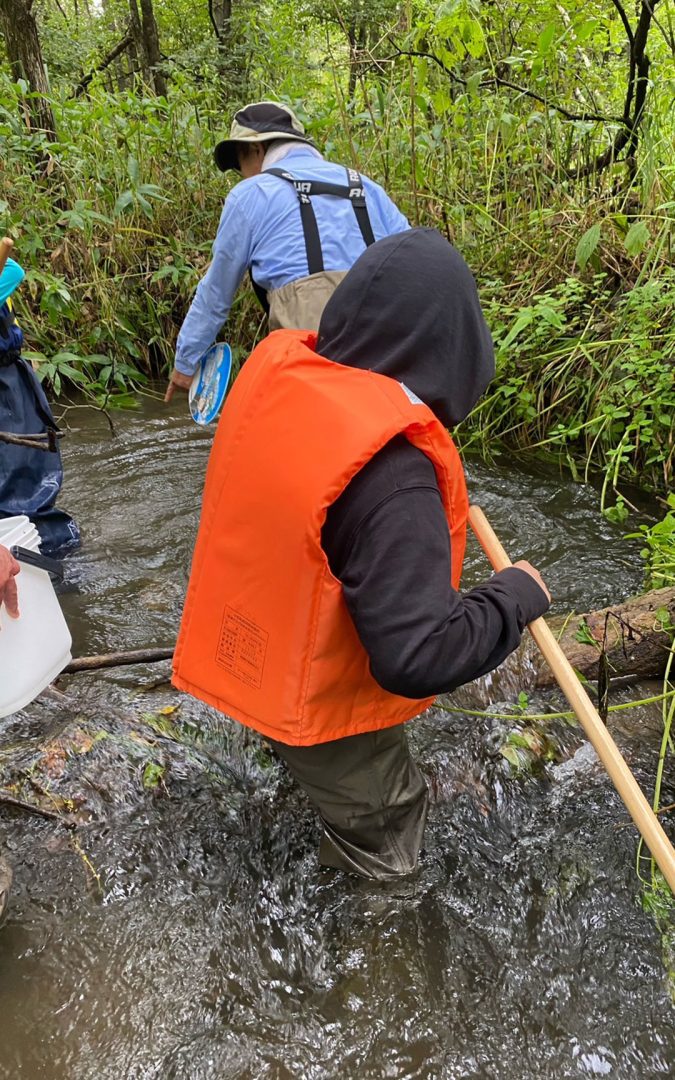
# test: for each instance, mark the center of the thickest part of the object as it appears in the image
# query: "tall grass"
(576, 279)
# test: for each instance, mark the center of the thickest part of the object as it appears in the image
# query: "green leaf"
(523, 320)
(441, 101)
(587, 245)
(551, 316)
(512, 756)
(473, 84)
(584, 635)
(515, 739)
(618, 514)
(152, 191)
(133, 169)
(153, 774)
(145, 206)
(123, 201)
(585, 30)
(545, 39)
(636, 238)
(472, 38)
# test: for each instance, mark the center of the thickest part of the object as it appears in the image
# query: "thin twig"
(19, 804)
(496, 80)
(45, 441)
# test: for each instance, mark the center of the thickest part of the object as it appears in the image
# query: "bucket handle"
(41, 562)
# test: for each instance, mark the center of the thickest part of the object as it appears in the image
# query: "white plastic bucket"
(35, 647)
(15, 529)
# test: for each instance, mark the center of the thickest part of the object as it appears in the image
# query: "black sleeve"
(386, 539)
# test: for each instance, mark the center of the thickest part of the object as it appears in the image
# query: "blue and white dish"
(209, 386)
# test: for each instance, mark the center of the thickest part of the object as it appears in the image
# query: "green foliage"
(584, 635)
(477, 124)
(659, 549)
(153, 775)
(115, 238)
(586, 372)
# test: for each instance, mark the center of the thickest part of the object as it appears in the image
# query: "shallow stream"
(184, 929)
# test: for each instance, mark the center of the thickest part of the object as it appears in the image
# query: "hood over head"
(409, 308)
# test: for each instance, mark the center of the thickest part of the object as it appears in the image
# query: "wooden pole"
(6, 246)
(605, 747)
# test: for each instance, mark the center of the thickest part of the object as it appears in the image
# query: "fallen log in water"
(636, 636)
(117, 659)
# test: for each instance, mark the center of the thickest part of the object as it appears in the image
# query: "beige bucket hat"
(262, 121)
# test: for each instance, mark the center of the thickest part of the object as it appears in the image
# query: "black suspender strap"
(304, 189)
(260, 293)
(357, 195)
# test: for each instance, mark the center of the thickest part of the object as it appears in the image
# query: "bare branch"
(43, 441)
(30, 808)
(119, 659)
(105, 62)
(214, 24)
(667, 35)
(496, 80)
(636, 96)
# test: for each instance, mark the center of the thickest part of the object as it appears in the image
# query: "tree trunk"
(22, 42)
(220, 13)
(138, 43)
(229, 61)
(632, 634)
(636, 94)
(151, 47)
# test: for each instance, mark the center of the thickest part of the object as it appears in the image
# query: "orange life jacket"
(266, 636)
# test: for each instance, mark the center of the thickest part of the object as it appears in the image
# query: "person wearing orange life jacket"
(323, 607)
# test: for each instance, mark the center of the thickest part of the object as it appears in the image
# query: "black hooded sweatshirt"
(409, 309)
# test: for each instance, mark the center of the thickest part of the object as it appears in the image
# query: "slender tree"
(151, 47)
(24, 52)
(145, 35)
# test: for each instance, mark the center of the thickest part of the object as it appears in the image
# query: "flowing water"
(184, 929)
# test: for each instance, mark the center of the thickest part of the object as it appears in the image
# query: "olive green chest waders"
(372, 800)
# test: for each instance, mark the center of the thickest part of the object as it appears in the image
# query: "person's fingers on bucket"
(169, 392)
(12, 598)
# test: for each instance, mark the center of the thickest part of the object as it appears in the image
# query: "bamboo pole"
(605, 747)
(6, 246)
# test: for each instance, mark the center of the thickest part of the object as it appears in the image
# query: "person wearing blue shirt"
(296, 222)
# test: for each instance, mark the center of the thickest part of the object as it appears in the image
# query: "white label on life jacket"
(412, 398)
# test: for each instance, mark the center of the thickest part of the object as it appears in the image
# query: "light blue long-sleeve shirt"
(260, 230)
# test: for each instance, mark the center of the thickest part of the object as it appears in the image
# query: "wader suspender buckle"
(304, 189)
